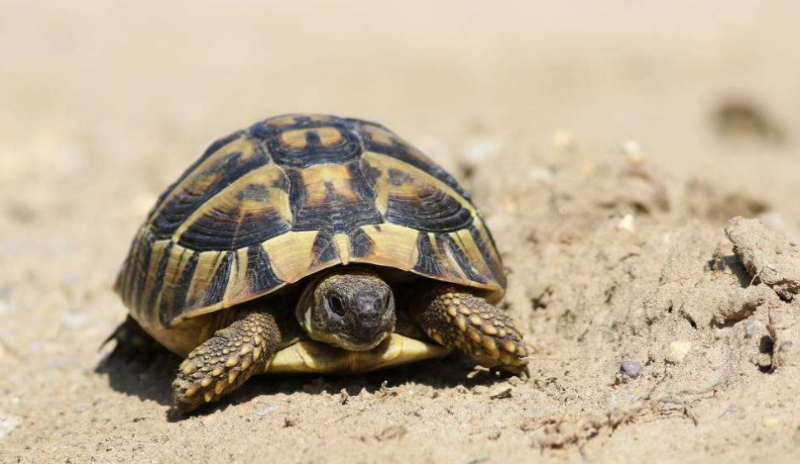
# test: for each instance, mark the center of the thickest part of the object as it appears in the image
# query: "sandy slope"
(614, 255)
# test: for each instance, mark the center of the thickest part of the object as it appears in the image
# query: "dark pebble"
(631, 368)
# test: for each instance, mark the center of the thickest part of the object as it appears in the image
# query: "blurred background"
(693, 82)
(543, 109)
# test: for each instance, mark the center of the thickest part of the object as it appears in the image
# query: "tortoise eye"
(336, 305)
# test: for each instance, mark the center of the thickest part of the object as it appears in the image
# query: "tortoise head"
(351, 309)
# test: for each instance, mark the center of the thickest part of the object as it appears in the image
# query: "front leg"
(456, 318)
(226, 360)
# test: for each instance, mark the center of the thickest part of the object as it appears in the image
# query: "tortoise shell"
(290, 196)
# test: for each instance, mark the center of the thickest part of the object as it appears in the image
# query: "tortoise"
(316, 244)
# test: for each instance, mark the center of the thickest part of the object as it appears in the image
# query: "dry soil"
(608, 144)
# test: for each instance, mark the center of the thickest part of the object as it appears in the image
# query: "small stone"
(391, 432)
(539, 174)
(480, 389)
(749, 330)
(500, 392)
(627, 223)
(631, 367)
(479, 150)
(564, 140)
(764, 360)
(632, 149)
(8, 423)
(73, 319)
(677, 351)
(771, 422)
(266, 411)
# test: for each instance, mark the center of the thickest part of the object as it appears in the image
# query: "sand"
(608, 146)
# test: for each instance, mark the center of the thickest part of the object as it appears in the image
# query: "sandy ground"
(608, 145)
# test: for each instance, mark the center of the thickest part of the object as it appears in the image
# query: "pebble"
(481, 149)
(539, 174)
(266, 411)
(73, 319)
(764, 360)
(771, 422)
(500, 392)
(749, 330)
(391, 433)
(677, 351)
(8, 423)
(631, 367)
(627, 223)
(632, 149)
(564, 140)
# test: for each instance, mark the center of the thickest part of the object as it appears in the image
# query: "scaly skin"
(458, 319)
(225, 361)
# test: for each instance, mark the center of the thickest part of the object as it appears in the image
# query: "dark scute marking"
(398, 177)
(297, 193)
(281, 183)
(349, 149)
(330, 192)
(432, 211)
(323, 248)
(260, 275)
(139, 269)
(494, 266)
(360, 182)
(427, 262)
(254, 192)
(370, 174)
(213, 148)
(400, 151)
(184, 203)
(168, 313)
(336, 214)
(219, 283)
(364, 122)
(231, 230)
(446, 241)
(301, 122)
(361, 244)
(159, 280)
(312, 138)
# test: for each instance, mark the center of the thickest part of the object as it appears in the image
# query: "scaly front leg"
(456, 318)
(226, 360)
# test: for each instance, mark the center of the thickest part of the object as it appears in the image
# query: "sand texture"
(639, 171)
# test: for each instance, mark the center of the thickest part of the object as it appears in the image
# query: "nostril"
(371, 313)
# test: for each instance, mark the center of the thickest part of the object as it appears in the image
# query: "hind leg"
(456, 318)
(133, 343)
